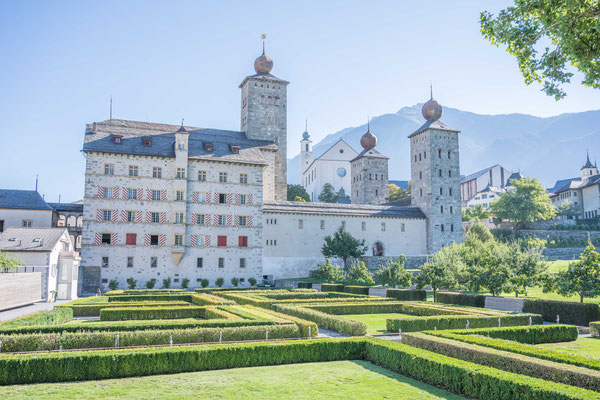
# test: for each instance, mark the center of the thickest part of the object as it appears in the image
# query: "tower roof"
(588, 163)
(368, 140)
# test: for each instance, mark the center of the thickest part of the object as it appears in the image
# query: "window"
(200, 219)
(300, 224)
(242, 199)
(442, 227)
(322, 224)
(222, 198)
(106, 215)
(107, 193)
(199, 262)
(130, 216)
(420, 175)
(424, 155)
(154, 240)
(222, 177)
(363, 226)
(441, 209)
(449, 174)
(243, 241)
(131, 239)
(402, 227)
(221, 262)
(439, 153)
(420, 192)
(222, 220)
(243, 178)
(383, 227)
(178, 240)
(153, 262)
(179, 218)
(242, 263)
(441, 191)
(209, 146)
(156, 195)
(222, 241)
(133, 170)
(180, 173)
(118, 139)
(132, 194)
(156, 172)
(450, 191)
(155, 218)
(202, 176)
(148, 142)
(106, 238)
(243, 220)
(201, 198)
(109, 169)
(449, 152)
(27, 223)
(235, 150)
(440, 173)
(451, 209)
(104, 262)
(451, 227)
(376, 191)
(179, 195)
(129, 262)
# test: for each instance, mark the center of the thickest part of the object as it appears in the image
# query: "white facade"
(332, 167)
(485, 197)
(495, 176)
(26, 218)
(583, 192)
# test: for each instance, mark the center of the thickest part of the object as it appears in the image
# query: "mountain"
(545, 148)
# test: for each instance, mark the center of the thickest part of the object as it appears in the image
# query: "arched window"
(262, 99)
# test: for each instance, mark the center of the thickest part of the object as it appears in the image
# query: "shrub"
(329, 272)
(380, 307)
(407, 294)
(204, 282)
(332, 287)
(91, 310)
(151, 283)
(206, 299)
(219, 282)
(166, 282)
(472, 300)
(144, 313)
(305, 285)
(327, 321)
(418, 324)
(131, 283)
(357, 289)
(358, 274)
(515, 363)
(569, 312)
(235, 282)
(251, 281)
(113, 284)
(595, 329)
(182, 296)
(56, 316)
(185, 282)
(533, 334)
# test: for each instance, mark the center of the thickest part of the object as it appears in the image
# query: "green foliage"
(146, 313)
(204, 282)
(295, 191)
(569, 312)
(358, 274)
(582, 277)
(185, 283)
(476, 213)
(56, 316)
(397, 193)
(251, 281)
(472, 300)
(532, 334)
(113, 284)
(379, 307)
(478, 231)
(527, 269)
(166, 283)
(9, 263)
(357, 289)
(343, 245)
(131, 283)
(418, 324)
(568, 209)
(547, 38)
(527, 203)
(393, 273)
(219, 282)
(184, 296)
(441, 271)
(300, 199)
(150, 283)
(323, 320)
(331, 287)
(235, 282)
(328, 194)
(93, 309)
(204, 299)
(407, 294)
(595, 329)
(330, 273)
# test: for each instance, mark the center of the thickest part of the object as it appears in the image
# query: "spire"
(430, 90)
(181, 128)
(110, 114)
(263, 37)
(306, 125)
(588, 163)
(368, 124)
(306, 135)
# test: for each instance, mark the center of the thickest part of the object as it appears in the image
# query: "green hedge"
(242, 289)
(520, 348)
(569, 312)
(595, 328)
(332, 287)
(307, 328)
(296, 295)
(95, 340)
(137, 292)
(381, 307)
(55, 316)
(206, 299)
(357, 289)
(145, 313)
(534, 334)
(323, 320)
(463, 299)
(407, 294)
(151, 297)
(516, 363)
(305, 285)
(93, 309)
(418, 324)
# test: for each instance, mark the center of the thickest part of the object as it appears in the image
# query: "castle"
(168, 201)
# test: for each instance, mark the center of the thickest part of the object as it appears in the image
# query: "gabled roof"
(30, 239)
(351, 210)
(433, 124)
(22, 199)
(565, 184)
(591, 181)
(588, 163)
(67, 207)
(515, 175)
(477, 174)
(371, 153)
(351, 150)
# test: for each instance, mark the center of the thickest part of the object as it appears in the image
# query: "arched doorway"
(378, 249)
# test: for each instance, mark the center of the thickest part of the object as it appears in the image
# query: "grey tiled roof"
(477, 174)
(565, 184)
(22, 199)
(371, 153)
(99, 138)
(67, 207)
(351, 210)
(437, 124)
(24, 239)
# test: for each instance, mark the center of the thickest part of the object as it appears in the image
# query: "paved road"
(39, 306)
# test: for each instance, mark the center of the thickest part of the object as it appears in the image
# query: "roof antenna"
(368, 123)
(263, 37)
(431, 90)
(306, 125)
(59, 198)
(181, 121)
(110, 115)
(36, 182)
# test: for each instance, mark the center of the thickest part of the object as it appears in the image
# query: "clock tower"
(306, 153)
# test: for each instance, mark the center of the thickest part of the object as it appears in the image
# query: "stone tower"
(435, 178)
(369, 171)
(264, 116)
(306, 153)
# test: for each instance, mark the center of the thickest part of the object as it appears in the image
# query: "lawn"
(376, 322)
(583, 346)
(558, 265)
(327, 380)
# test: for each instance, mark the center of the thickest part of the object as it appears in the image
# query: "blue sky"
(166, 60)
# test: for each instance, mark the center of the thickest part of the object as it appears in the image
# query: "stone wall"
(544, 233)
(19, 289)
(566, 253)
(89, 280)
(412, 262)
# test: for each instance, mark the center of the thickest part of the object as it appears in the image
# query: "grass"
(327, 380)
(376, 322)
(583, 346)
(558, 265)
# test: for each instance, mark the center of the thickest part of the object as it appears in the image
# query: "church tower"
(369, 171)
(435, 177)
(264, 117)
(306, 153)
(588, 169)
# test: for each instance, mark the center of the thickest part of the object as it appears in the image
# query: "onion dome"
(432, 110)
(368, 140)
(305, 135)
(263, 63)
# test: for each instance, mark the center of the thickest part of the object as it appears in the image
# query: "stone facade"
(369, 178)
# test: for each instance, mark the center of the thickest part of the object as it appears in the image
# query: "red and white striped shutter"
(163, 217)
(216, 219)
(114, 237)
(116, 192)
(163, 195)
(148, 217)
(207, 240)
(123, 216)
(100, 191)
(163, 240)
(237, 198)
(236, 220)
(229, 196)
(98, 215)
(249, 199)
(125, 194)
(138, 216)
(147, 239)
(148, 194)
(208, 197)
(98, 238)
(140, 194)
(194, 219)
(249, 220)
(216, 198)
(195, 197)
(193, 240)
(115, 215)
(207, 219)
(229, 220)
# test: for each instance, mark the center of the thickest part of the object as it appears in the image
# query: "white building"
(486, 197)
(49, 251)
(24, 208)
(495, 176)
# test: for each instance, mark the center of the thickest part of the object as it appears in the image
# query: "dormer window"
(12, 239)
(235, 149)
(37, 240)
(117, 139)
(147, 142)
(209, 146)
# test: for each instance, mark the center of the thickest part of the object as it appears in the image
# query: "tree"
(204, 282)
(527, 268)
(547, 37)
(568, 210)
(166, 282)
(113, 284)
(294, 191)
(479, 232)
(441, 270)
(478, 212)
(131, 283)
(8, 263)
(582, 277)
(298, 198)
(252, 281)
(150, 283)
(219, 282)
(343, 245)
(328, 194)
(358, 274)
(393, 273)
(235, 282)
(331, 273)
(527, 203)
(185, 282)
(396, 192)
